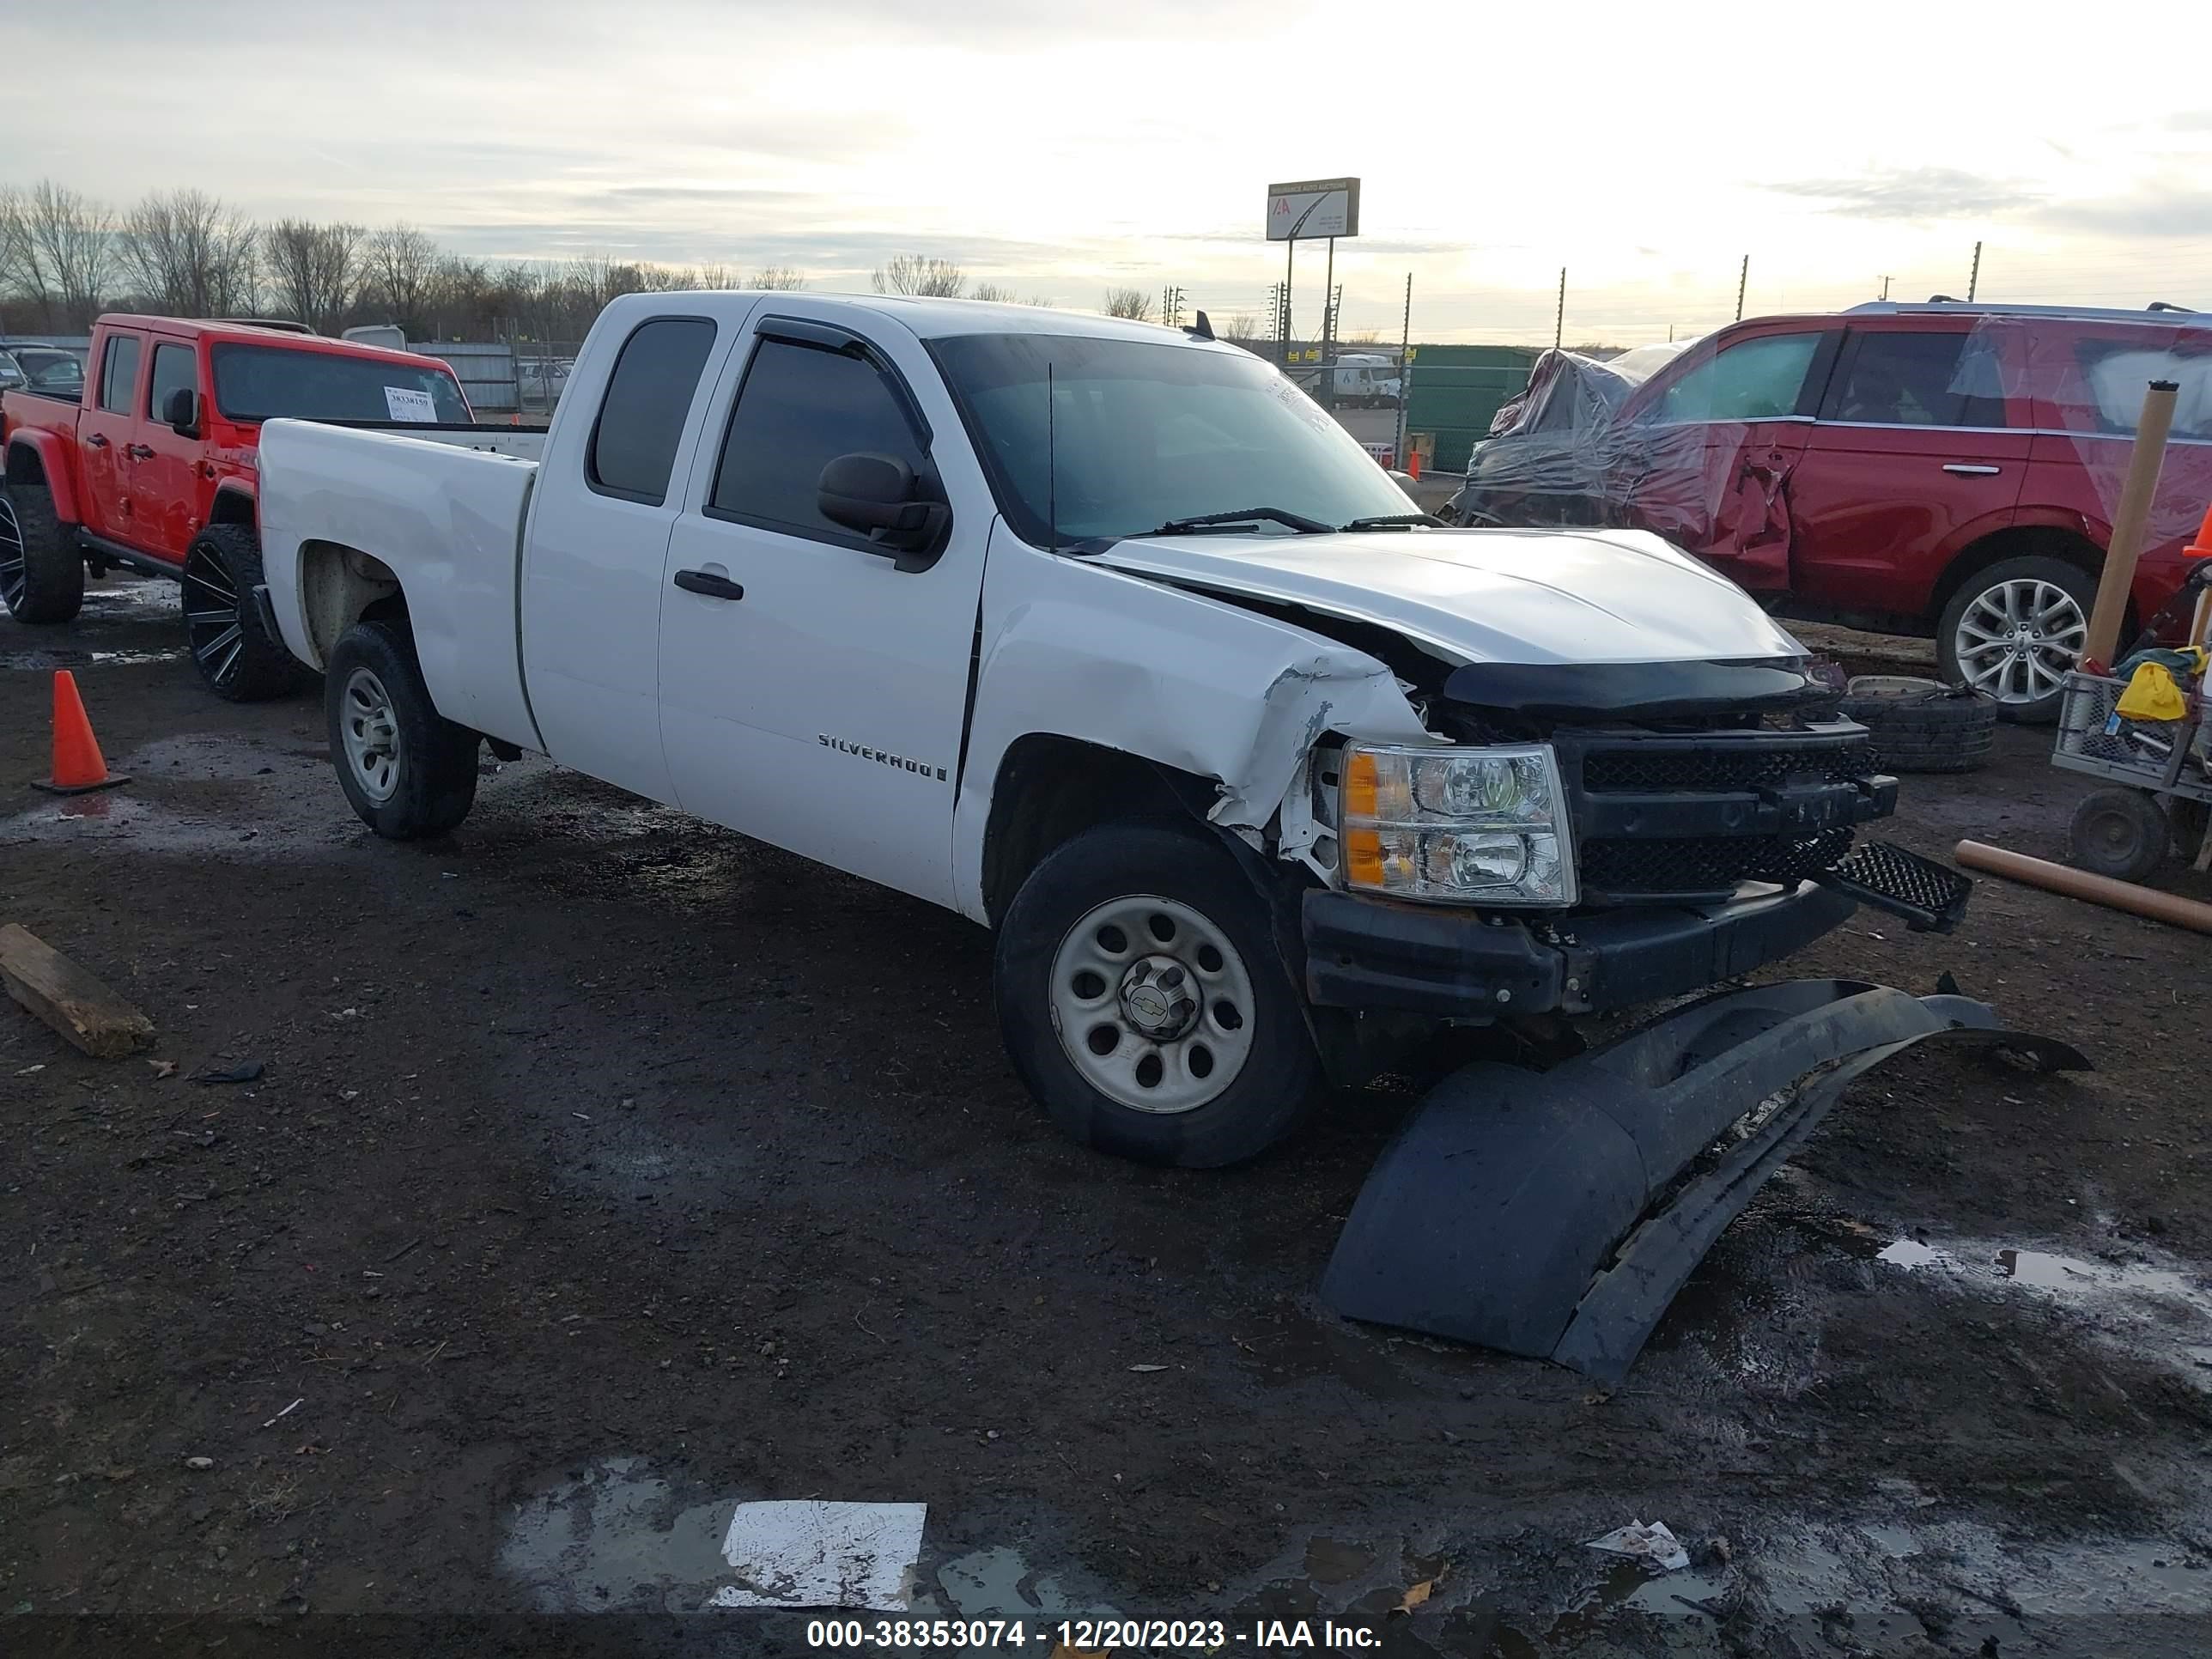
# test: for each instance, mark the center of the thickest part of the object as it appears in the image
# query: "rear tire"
(2119, 833)
(1979, 642)
(41, 571)
(407, 770)
(236, 657)
(1920, 726)
(1145, 1002)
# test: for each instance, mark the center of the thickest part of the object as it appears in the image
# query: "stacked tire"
(1922, 725)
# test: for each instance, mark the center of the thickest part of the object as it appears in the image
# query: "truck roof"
(285, 336)
(932, 319)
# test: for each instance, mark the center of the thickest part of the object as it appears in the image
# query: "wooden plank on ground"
(68, 999)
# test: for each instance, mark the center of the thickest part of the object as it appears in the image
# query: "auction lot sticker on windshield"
(408, 404)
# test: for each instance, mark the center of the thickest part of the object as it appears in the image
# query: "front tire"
(1145, 1003)
(2014, 630)
(407, 770)
(237, 658)
(41, 571)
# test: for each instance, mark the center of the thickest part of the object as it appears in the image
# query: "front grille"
(1626, 865)
(1646, 769)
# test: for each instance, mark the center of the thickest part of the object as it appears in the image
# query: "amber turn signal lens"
(1363, 855)
(1361, 790)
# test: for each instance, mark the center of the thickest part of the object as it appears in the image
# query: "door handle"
(1966, 470)
(139, 452)
(705, 582)
(98, 440)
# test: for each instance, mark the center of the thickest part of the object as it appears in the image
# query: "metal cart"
(2160, 771)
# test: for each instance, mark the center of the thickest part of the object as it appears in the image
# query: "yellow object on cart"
(2152, 695)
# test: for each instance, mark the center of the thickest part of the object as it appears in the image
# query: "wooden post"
(68, 999)
(2130, 520)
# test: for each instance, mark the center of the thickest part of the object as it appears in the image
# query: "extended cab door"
(107, 429)
(1704, 454)
(1910, 459)
(813, 694)
(165, 484)
(615, 470)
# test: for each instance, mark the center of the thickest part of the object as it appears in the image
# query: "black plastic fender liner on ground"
(1502, 1213)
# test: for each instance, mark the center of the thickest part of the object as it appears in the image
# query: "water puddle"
(36, 662)
(617, 1538)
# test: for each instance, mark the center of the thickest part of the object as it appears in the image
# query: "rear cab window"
(119, 372)
(800, 408)
(648, 397)
(1920, 377)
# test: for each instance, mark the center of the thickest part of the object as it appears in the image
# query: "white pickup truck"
(1105, 636)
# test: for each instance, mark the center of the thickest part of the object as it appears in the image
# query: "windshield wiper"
(1395, 521)
(1296, 521)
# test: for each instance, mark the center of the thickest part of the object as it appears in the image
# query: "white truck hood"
(1502, 596)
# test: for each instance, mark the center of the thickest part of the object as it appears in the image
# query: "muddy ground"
(605, 1171)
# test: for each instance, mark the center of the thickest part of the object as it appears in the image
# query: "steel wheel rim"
(2116, 835)
(214, 623)
(2017, 640)
(1120, 978)
(370, 732)
(15, 574)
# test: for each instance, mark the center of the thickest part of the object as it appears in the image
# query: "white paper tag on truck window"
(408, 404)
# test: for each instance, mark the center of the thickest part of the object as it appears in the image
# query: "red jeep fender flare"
(53, 462)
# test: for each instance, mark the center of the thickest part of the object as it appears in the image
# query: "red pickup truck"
(152, 468)
(1947, 468)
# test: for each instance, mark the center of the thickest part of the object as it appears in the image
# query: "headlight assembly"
(1455, 826)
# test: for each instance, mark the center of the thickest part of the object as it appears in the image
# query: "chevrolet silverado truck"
(1105, 636)
(147, 462)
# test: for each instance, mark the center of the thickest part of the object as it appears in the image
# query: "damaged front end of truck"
(1572, 840)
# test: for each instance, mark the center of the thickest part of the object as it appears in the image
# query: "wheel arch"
(35, 460)
(2069, 541)
(340, 585)
(1049, 788)
(234, 505)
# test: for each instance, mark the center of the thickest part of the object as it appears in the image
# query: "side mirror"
(181, 410)
(880, 496)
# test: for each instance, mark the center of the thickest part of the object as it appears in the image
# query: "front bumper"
(1371, 953)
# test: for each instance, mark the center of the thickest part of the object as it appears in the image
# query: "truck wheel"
(41, 572)
(408, 770)
(2119, 833)
(238, 659)
(1145, 1003)
(1921, 726)
(2014, 630)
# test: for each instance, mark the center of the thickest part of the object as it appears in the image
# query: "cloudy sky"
(1062, 146)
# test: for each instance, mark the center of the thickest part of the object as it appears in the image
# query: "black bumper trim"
(1370, 953)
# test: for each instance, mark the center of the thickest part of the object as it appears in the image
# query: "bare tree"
(993, 293)
(187, 255)
(777, 279)
(62, 254)
(399, 270)
(1243, 326)
(314, 270)
(14, 250)
(1133, 303)
(1044, 301)
(913, 273)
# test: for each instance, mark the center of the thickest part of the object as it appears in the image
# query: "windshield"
(1145, 434)
(262, 383)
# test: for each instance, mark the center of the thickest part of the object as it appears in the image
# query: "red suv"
(1940, 468)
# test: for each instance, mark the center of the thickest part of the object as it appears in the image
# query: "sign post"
(1306, 210)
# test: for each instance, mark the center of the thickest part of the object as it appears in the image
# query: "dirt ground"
(604, 1170)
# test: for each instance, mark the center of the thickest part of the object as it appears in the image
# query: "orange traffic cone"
(78, 765)
(1413, 463)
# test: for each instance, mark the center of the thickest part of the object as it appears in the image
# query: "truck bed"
(454, 506)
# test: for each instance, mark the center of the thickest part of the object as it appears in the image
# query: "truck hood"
(1532, 597)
